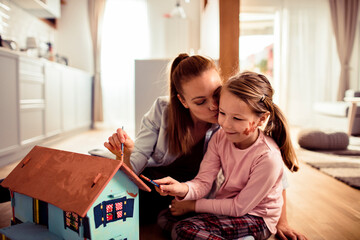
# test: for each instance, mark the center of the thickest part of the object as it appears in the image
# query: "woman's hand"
(115, 141)
(178, 208)
(169, 186)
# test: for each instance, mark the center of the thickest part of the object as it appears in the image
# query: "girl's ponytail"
(278, 129)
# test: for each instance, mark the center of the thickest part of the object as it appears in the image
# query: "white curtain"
(210, 30)
(125, 38)
(344, 15)
(308, 63)
(96, 14)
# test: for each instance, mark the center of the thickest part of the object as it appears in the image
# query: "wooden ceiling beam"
(229, 37)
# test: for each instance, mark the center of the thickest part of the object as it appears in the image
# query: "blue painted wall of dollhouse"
(119, 187)
(23, 207)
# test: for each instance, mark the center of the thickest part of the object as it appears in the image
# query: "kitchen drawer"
(30, 90)
(31, 67)
(31, 123)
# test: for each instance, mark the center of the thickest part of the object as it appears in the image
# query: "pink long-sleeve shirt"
(252, 180)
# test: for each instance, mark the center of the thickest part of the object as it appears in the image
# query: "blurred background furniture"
(335, 116)
(352, 111)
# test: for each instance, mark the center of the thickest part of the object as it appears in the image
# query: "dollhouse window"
(119, 209)
(113, 210)
(109, 212)
(72, 221)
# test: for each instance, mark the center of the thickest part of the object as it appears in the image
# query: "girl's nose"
(225, 123)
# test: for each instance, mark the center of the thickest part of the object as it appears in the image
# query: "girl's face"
(238, 121)
(198, 96)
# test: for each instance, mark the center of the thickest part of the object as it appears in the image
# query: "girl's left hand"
(169, 186)
(178, 208)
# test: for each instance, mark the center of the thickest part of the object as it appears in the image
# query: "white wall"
(157, 24)
(17, 24)
(73, 35)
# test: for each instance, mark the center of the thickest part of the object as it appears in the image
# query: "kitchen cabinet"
(39, 101)
(68, 98)
(42, 9)
(9, 134)
(68, 92)
(83, 99)
(53, 111)
(32, 102)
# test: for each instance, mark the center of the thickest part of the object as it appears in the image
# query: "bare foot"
(180, 208)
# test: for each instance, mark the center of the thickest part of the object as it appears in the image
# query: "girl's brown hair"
(183, 69)
(255, 90)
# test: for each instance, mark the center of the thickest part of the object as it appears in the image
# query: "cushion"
(318, 140)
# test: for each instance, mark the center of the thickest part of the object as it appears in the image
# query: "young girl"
(249, 201)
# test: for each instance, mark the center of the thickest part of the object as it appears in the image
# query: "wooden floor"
(318, 205)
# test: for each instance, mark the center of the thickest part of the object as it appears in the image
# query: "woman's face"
(198, 96)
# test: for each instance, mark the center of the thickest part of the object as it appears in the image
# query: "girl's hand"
(178, 208)
(114, 143)
(169, 186)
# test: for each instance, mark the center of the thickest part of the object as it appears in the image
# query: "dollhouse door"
(40, 212)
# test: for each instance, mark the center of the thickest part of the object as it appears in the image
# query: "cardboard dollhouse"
(65, 195)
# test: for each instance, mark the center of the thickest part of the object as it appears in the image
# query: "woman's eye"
(222, 113)
(200, 103)
(237, 119)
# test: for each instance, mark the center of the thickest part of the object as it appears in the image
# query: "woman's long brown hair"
(183, 69)
(255, 90)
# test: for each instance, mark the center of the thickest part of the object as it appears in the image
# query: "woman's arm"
(284, 231)
(148, 137)
(114, 145)
(136, 155)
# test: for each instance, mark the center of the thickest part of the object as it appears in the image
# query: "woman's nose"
(213, 106)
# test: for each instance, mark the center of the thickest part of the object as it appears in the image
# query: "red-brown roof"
(65, 179)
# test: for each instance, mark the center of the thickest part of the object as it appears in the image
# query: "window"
(122, 43)
(256, 42)
(113, 210)
(72, 221)
(114, 213)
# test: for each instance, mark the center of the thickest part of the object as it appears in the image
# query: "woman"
(174, 133)
(251, 157)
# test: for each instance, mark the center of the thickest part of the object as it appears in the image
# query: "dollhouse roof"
(70, 181)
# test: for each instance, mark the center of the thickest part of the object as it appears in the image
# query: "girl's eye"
(200, 103)
(222, 113)
(238, 119)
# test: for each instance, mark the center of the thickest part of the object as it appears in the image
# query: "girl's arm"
(201, 185)
(261, 181)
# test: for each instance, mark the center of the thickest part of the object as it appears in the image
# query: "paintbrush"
(122, 148)
(149, 180)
